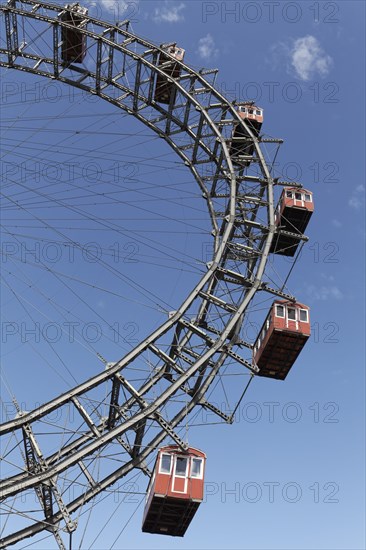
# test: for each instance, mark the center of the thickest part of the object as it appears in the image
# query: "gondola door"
(180, 474)
(299, 199)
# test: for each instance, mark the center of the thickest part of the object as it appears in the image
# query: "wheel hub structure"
(198, 341)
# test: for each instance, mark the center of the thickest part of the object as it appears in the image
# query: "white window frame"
(161, 462)
(186, 458)
(292, 309)
(310, 199)
(201, 468)
(307, 315)
(180, 476)
(289, 196)
(276, 311)
(298, 199)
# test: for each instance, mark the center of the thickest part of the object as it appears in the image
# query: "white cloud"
(309, 59)
(169, 13)
(206, 47)
(355, 203)
(302, 56)
(117, 5)
(357, 199)
(107, 3)
(322, 293)
(328, 290)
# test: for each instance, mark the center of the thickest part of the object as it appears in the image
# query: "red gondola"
(293, 213)
(73, 47)
(281, 339)
(175, 491)
(242, 146)
(164, 90)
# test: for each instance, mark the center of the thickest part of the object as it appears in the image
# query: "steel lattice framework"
(108, 410)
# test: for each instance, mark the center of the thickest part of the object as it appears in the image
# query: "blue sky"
(289, 472)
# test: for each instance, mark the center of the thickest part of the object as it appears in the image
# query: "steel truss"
(204, 332)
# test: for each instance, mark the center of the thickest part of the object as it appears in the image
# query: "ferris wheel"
(181, 361)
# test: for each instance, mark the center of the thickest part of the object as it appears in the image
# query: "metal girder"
(201, 144)
(89, 422)
(112, 478)
(140, 429)
(241, 279)
(270, 140)
(293, 235)
(216, 410)
(167, 427)
(33, 455)
(48, 490)
(218, 302)
(113, 405)
(98, 69)
(11, 34)
(56, 71)
(137, 85)
(87, 474)
(156, 416)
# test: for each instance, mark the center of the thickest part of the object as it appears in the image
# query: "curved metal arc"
(209, 276)
(91, 383)
(191, 72)
(49, 407)
(27, 482)
(153, 68)
(120, 472)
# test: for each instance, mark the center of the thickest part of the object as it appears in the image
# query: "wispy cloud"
(206, 47)
(117, 5)
(309, 59)
(326, 291)
(169, 13)
(303, 57)
(107, 3)
(357, 199)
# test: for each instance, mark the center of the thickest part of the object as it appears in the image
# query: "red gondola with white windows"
(242, 145)
(164, 90)
(293, 213)
(281, 339)
(73, 47)
(175, 491)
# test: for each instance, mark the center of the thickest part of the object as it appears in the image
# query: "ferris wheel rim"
(5, 427)
(222, 239)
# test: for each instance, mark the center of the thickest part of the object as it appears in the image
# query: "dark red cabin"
(242, 146)
(73, 47)
(281, 339)
(164, 90)
(175, 491)
(293, 213)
